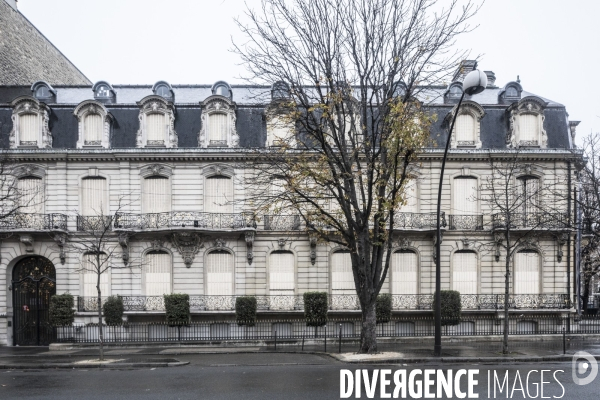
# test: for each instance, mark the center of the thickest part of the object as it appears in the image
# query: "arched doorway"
(33, 283)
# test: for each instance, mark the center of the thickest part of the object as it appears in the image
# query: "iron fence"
(532, 220)
(183, 219)
(466, 222)
(418, 221)
(268, 329)
(43, 222)
(338, 302)
(282, 222)
(94, 223)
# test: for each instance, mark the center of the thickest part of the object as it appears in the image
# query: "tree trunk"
(368, 334)
(506, 291)
(586, 294)
(100, 333)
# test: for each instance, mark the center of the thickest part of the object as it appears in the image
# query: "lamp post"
(475, 82)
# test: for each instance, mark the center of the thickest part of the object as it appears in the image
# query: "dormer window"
(163, 89)
(43, 92)
(511, 92)
(280, 131)
(280, 91)
(30, 124)
(94, 125)
(526, 119)
(157, 123)
(222, 88)
(218, 123)
(466, 132)
(453, 93)
(104, 92)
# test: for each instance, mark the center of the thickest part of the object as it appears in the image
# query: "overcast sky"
(551, 44)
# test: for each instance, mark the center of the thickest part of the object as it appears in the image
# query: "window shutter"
(218, 195)
(29, 127)
(404, 273)
(217, 127)
(90, 277)
(219, 274)
(527, 273)
(281, 273)
(342, 279)
(92, 128)
(464, 272)
(31, 195)
(529, 127)
(465, 128)
(156, 195)
(157, 274)
(157, 127)
(465, 196)
(93, 194)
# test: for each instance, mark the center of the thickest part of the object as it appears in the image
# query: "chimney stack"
(463, 69)
(491, 77)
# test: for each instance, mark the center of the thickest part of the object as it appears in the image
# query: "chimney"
(463, 69)
(12, 3)
(491, 77)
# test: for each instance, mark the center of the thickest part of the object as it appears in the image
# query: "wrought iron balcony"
(339, 302)
(94, 223)
(184, 219)
(418, 221)
(537, 220)
(282, 222)
(34, 222)
(466, 222)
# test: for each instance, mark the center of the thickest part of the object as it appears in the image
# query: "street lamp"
(475, 82)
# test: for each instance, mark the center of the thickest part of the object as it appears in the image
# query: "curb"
(455, 360)
(99, 366)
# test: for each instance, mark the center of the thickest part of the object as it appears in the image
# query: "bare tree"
(20, 192)
(346, 76)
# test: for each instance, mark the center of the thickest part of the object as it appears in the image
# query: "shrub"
(383, 310)
(113, 311)
(61, 310)
(451, 307)
(177, 308)
(245, 310)
(315, 308)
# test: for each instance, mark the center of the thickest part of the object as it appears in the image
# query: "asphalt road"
(261, 376)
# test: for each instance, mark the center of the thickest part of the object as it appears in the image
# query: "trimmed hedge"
(451, 307)
(62, 311)
(315, 308)
(383, 310)
(245, 310)
(113, 311)
(177, 308)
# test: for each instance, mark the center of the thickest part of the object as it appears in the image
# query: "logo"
(584, 364)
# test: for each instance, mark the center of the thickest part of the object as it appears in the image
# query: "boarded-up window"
(31, 195)
(281, 273)
(404, 273)
(342, 279)
(465, 196)
(90, 275)
(156, 194)
(218, 194)
(92, 129)
(157, 273)
(29, 128)
(156, 126)
(93, 195)
(219, 273)
(527, 273)
(217, 128)
(464, 272)
(465, 129)
(529, 127)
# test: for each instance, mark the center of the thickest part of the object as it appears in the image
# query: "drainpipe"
(569, 240)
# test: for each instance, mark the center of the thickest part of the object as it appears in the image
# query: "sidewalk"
(161, 355)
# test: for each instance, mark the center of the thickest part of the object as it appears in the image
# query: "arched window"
(157, 273)
(455, 91)
(464, 272)
(528, 195)
(465, 129)
(94, 122)
(219, 273)
(529, 128)
(93, 196)
(222, 89)
(280, 91)
(90, 267)
(464, 200)
(156, 194)
(511, 92)
(104, 92)
(527, 272)
(218, 194)
(156, 128)
(217, 129)
(281, 273)
(157, 123)
(30, 127)
(404, 272)
(31, 195)
(342, 278)
(43, 92)
(93, 128)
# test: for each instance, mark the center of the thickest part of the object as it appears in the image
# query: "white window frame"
(27, 105)
(154, 104)
(349, 287)
(476, 112)
(209, 284)
(458, 266)
(105, 205)
(285, 287)
(82, 111)
(520, 287)
(217, 104)
(147, 266)
(528, 106)
(105, 279)
(397, 275)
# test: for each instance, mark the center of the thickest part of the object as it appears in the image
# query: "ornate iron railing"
(427, 221)
(555, 221)
(183, 219)
(339, 302)
(42, 222)
(466, 222)
(94, 223)
(282, 222)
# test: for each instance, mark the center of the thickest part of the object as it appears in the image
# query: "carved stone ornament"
(476, 112)
(61, 241)
(4, 236)
(467, 243)
(249, 236)
(188, 244)
(561, 240)
(403, 243)
(156, 105)
(529, 105)
(124, 242)
(27, 240)
(281, 244)
(312, 239)
(91, 107)
(157, 244)
(28, 170)
(27, 105)
(156, 170)
(434, 244)
(528, 244)
(221, 105)
(498, 239)
(220, 243)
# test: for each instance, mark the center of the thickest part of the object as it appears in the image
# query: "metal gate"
(33, 283)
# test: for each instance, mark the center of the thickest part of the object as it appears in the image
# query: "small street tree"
(347, 75)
